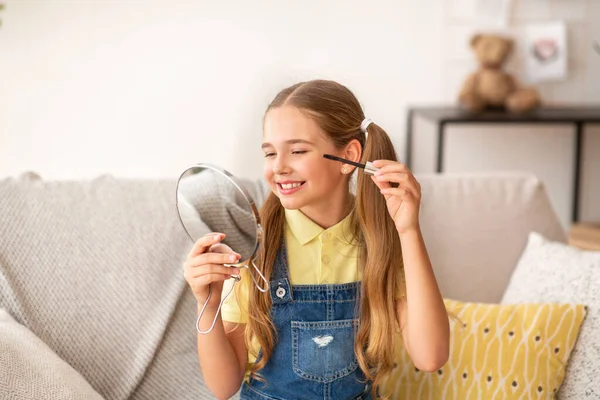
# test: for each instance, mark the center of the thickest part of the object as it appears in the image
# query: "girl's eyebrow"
(291, 141)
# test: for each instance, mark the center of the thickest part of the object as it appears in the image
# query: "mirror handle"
(218, 309)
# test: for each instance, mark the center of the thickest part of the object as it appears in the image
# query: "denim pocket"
(323, 351)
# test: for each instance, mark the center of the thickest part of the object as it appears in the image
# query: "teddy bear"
(490, 86)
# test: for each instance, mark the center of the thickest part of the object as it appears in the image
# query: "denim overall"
(313, 357)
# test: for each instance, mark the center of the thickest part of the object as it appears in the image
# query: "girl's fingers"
(199, 275)
(412, 188)
(390, 166)
(395, 172)
(380, 184)
(206, 241)
(222, 248)
(212, 258)
(385, 163)
(398, 192)
(211, 269)
(407, 185)
(202, 282)
(398, 177)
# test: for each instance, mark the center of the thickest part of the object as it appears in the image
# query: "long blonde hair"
(339, 114)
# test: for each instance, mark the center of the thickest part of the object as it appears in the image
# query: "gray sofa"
(93, 300)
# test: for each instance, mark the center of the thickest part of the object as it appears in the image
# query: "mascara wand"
(368, 168)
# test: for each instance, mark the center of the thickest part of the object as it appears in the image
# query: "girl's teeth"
(288, 186)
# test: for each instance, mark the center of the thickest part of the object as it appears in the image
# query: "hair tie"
(363, 127)
(365, 124)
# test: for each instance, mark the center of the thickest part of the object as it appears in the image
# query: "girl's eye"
(299, 152)
(267, 155)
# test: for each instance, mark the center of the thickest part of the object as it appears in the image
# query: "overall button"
(280, 292)
(326, 259)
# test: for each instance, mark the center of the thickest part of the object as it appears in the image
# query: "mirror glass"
(210, 199)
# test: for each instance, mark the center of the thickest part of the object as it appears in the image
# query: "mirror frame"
(239, 186)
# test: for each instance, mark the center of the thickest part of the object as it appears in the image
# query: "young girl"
(349, 274)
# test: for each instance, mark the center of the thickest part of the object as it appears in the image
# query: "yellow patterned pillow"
(508, 351)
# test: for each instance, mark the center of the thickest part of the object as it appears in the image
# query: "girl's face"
(293, 145)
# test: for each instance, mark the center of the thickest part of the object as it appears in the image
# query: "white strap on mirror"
(237, 279)
(218, 309)
(364, 125)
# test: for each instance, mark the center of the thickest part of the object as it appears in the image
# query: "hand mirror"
(210, 199)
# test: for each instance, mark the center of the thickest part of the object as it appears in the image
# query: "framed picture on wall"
(546, 52)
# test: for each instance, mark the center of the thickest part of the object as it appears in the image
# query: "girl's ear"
(353, 151)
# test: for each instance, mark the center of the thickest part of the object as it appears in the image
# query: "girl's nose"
(280, 166)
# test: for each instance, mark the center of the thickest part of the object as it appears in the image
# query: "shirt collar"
(305, 230)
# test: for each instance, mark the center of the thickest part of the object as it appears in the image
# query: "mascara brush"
(368, 168)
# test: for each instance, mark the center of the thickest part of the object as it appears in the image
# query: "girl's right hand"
(204, 268)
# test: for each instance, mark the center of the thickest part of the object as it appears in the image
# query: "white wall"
(144, 88)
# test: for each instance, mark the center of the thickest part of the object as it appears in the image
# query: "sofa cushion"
(476, 226)
(94, 269)
(496, 352)
(551, 271)
(30, 370)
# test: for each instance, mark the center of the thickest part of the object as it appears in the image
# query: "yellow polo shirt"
(315, 256)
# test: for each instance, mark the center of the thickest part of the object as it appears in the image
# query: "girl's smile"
(288, 188)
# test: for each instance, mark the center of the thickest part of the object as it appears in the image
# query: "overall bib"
(313, 357)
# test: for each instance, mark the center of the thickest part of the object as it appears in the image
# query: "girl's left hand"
(403, 201)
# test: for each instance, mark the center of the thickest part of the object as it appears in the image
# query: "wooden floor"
(585, 236)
